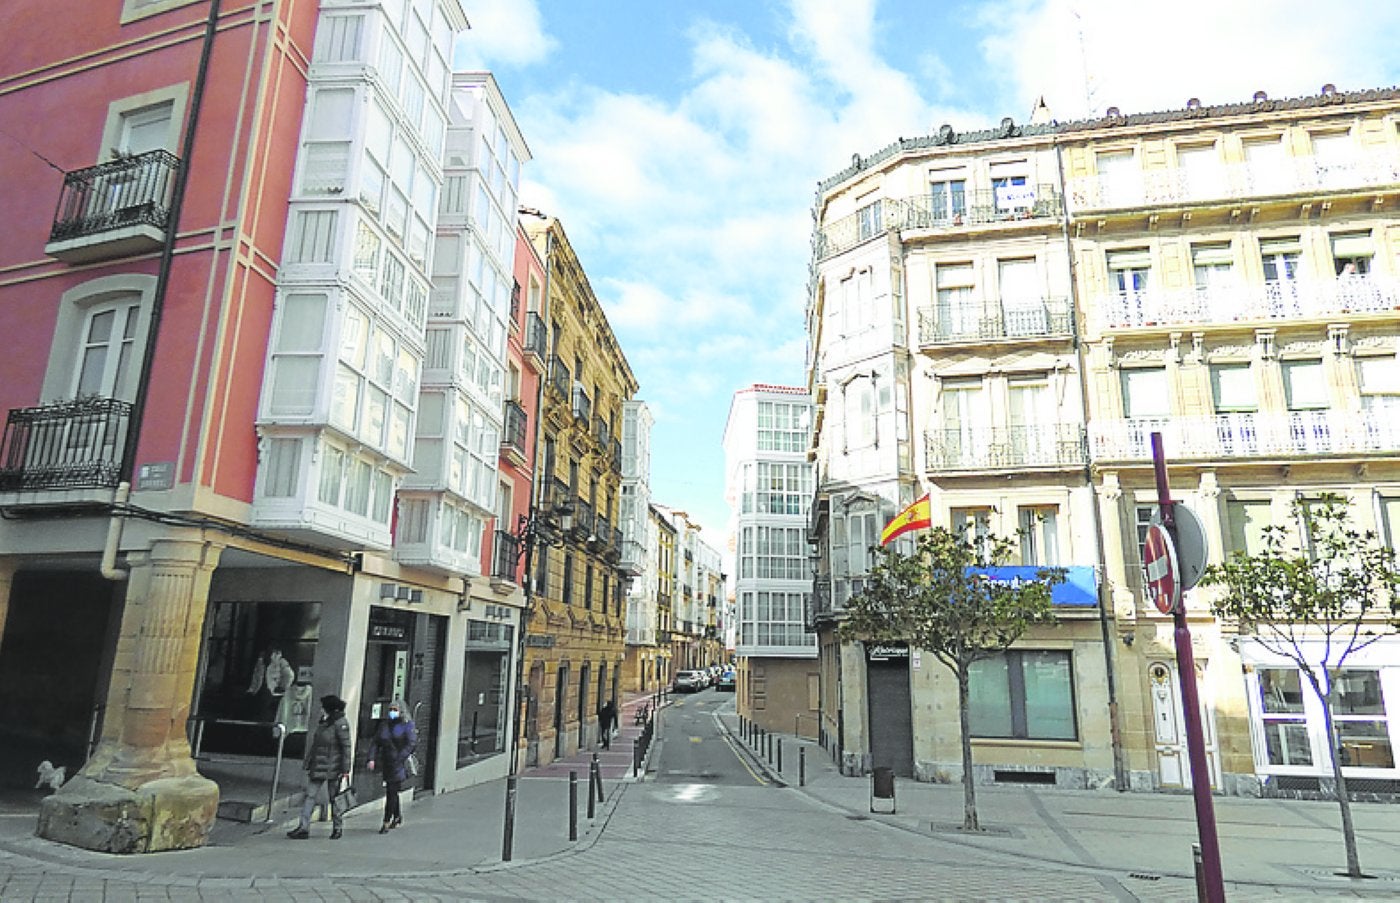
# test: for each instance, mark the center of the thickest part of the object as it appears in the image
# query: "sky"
(680, 143)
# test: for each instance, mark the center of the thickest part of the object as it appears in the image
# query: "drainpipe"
(1120, 767)
(167, 256)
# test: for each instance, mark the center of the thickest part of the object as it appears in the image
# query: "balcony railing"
(513, 436)
(514, 301)
(131, 191)
(65, 445)
(600, 431)
(946, 211)
(1248, 435)
(995, 448)
(559, 377)
(994, 319)
(536, 338)
(506, 555)
(1290, 300)
(583, 518)
(1233, 181)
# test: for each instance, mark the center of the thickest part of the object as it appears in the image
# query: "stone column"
(140, 792)
(1110, 503)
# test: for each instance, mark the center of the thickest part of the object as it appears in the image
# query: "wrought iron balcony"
(66, 445)
(115, 208)
(978, 321)
(1002, 448)
(617, 455)
(947, 210)
(1223, 182)
(536, 337)
(819, 602)
(514, 301)
(505, 558)
(1249, 435)
(513, 436)
(583, 518)
(556, 495)
(600, 430)
(1232, 303)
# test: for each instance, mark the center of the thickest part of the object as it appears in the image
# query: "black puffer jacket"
(328, 748)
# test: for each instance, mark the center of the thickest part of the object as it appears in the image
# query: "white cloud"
(502, 33)
(1142, 57)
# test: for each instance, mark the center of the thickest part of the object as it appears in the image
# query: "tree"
(938, 598)
(1315, 600)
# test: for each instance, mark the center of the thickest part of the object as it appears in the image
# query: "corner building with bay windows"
(253, 345)
(1002, 319)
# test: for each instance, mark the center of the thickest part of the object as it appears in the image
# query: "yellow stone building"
(575, 645)
(1002, 318)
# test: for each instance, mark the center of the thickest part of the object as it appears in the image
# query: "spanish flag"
(916, 517)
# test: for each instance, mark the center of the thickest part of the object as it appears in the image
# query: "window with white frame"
(1245, 519)
(773, 553)
(853, 533)
(964, 416)
(1143, 517)
(1038, 529)
(296, 353)
(1213, 266)
(1280, 258)
(107, 350)
(947, 197)
(1232, 388)
(1294, 727)
(1304, 385)
(1021, 299)
(784, 426)
(1282, 704)
(1352, 253)
(1201, 173)
(773, 618)
(971, 524)
(1266, 165)
(1010, 191)
(957, 313)
(783, 488)
(1023, 694)
(1334, 158)
(1130, 271)
(1378, 379)
(1144, 392)
(860, 417)
(376, 385)
(1120, 178)
(869, 220)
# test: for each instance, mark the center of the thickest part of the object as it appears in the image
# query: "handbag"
(345, 798)
(410, 765)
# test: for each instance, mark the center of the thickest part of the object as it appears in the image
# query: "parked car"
(688, 682)
(726, 682)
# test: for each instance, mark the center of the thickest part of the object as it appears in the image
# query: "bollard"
(598, 780)
(780, 755)
(636, 756)
(508, 835)
(769, 738)
(1197, 865)
(801, 766)
(592, 776)
(573, 805)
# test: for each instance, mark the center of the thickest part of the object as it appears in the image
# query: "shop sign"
(1079, 589)
(886, 652)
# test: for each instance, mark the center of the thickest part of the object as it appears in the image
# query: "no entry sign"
(1159, 565)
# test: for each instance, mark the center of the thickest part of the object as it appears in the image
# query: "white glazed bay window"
(784, 426)
(772, 618)
(1287, 718)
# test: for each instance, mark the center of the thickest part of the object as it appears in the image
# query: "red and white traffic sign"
(1160, 566)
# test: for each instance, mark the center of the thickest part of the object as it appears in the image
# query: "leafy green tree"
(1315, 596)
(936, 599)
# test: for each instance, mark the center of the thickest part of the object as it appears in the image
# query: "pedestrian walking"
(607, 718)
(394, 744)
(327, 761)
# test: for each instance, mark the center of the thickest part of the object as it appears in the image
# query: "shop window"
(1286, 739)
(1023, 694)
(1359, 715)
(481, 728)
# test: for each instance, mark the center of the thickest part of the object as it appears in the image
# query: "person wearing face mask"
(394, 744)
(327, 762)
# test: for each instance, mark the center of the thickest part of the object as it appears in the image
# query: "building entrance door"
(887, 699)
(402, 661)
(1169, 726)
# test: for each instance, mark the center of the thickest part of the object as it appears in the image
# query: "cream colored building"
(1002, 318)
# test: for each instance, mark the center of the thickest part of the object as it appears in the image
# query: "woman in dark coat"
(394, 743)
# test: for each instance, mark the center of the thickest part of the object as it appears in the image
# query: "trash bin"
(882, 787)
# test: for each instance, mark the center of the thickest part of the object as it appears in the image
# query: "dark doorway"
(561, 695)
(583, 706)
(403, 660)
(891, 721)
(55, 664)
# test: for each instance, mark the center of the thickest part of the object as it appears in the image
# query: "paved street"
(711, 820)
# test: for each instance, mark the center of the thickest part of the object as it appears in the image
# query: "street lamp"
(546, 528)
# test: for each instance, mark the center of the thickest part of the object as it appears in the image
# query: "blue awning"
(1080, 589)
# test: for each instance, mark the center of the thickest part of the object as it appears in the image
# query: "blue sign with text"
(1080, 589)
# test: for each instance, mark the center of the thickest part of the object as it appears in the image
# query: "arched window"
(99, 339)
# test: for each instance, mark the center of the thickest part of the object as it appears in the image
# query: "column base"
(173, 813)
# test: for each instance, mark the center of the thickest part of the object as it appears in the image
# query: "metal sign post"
(1186, 668)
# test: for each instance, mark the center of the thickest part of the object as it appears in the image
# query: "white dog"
(53, 777)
